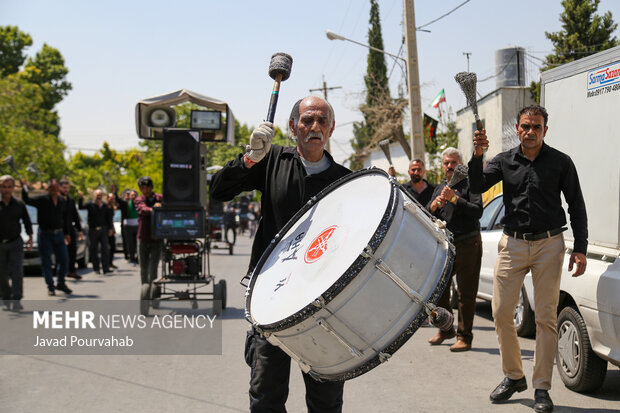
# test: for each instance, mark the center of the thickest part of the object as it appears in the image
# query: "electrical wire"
(441, 17)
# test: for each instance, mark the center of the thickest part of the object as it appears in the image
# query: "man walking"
(99, 228)
(454, 203)
(12, 211)
(149, 249)
(54, 234)
(534, 175)
(287, 177)
(76, 228)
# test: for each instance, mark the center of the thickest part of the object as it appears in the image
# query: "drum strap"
(384, 268)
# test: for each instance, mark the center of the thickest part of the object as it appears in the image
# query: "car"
(31, 258)
(118, 241)
(588, 310)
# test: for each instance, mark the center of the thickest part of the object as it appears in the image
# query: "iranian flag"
(441, 97)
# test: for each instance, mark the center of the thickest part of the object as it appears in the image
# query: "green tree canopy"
(13, 43)
(583, 33)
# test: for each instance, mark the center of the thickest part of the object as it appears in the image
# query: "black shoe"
(107, 271)
(507, 388)
(114, 267)
(542, 401)
(51, 292)
(64, 288)
(74, 275)
(17, 306)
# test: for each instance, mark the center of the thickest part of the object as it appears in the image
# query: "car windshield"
(489, 212)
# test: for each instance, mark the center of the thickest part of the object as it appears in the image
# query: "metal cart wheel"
(145, 295)
(194, 305)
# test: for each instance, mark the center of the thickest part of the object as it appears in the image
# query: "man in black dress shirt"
(99, 228)
(76, 228)
(534, 175)
(11, 244)
(287, 178)
(418, 187)
(461, 210)
(54, 233)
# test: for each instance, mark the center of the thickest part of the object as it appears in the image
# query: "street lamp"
(415, 123)
(334, 36)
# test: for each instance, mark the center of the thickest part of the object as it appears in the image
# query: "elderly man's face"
(448, 164)
(6, 188)
(313, 128)
(98, 195)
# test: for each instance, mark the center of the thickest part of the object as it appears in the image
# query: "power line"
(441, 17)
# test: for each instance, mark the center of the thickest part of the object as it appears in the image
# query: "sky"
(120, 52)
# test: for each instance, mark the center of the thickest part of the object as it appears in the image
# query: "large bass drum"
(350, 277)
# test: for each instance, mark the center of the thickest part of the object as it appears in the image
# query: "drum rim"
(352, 271)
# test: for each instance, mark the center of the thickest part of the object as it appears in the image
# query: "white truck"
(583, 102)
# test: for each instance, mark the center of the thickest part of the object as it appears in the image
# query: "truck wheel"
(145, 295)
(580, 368)
(525, 321)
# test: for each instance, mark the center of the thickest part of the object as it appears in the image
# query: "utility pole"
(413, 83)
(467, 54)
(325, 89)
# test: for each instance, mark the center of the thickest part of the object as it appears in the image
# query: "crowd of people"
(534, 175)
(60, 229)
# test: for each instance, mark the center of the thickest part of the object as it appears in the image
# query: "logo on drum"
(319, 246)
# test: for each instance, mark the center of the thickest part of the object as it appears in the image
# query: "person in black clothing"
(287, 177)
(419, 188)
(76, 228)
(11, 244)
(112, 206)
(99, 228)
(122, 204)
(54, 233)
(533, 175)
(461, 210)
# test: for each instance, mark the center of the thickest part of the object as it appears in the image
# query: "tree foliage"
(13, 43)
(583, 33)
(29, 127)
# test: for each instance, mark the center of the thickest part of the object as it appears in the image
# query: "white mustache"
(314, 135)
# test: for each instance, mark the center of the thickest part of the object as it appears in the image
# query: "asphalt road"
(417, 378)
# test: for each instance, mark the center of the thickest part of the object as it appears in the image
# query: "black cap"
(145, 180)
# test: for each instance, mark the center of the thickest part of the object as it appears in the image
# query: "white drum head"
(319, 248)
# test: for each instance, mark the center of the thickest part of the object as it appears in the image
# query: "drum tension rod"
(384, 268)
(323, 323)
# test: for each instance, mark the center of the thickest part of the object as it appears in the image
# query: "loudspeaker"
(185, 177)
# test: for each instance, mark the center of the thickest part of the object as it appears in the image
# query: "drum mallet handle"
(279, 70)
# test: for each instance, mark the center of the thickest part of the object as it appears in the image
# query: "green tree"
(377, 91)
(583, 33)
(47, 69)
(13, 43)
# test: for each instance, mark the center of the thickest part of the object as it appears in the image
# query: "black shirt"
(285, 187)
(51, 217)
(423, 197)
(75, 217)
(98, 215)
(532, 191)
(10, 214)
(462, 218)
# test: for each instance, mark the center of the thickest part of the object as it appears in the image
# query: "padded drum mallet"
(385, 147)
(279, 70)
(467, 81)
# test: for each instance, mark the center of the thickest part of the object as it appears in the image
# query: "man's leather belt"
(98, 228)
(529, 236)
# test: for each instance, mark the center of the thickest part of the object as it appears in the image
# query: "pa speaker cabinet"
(185, 180)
